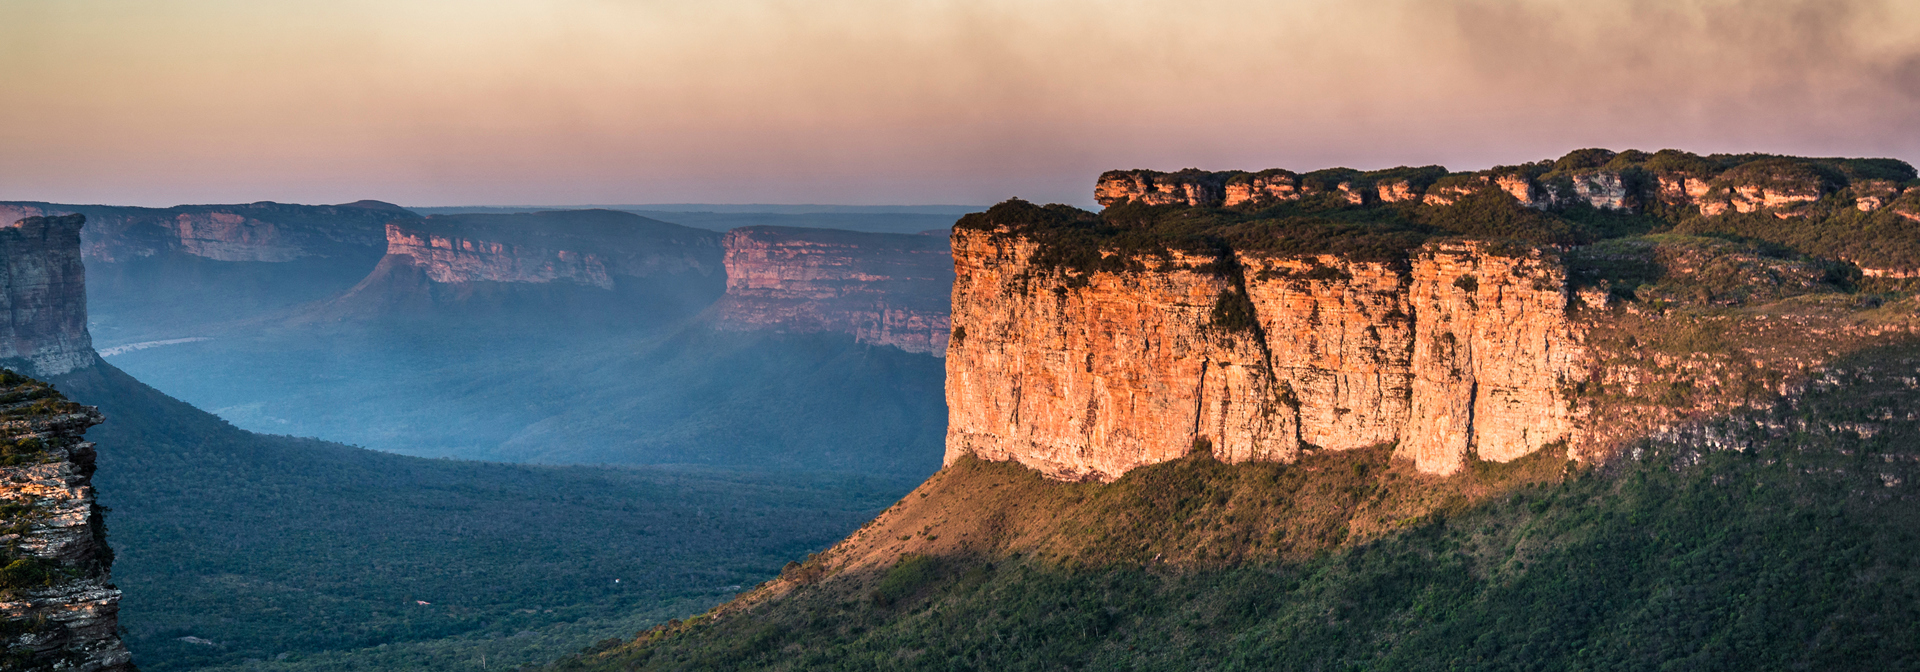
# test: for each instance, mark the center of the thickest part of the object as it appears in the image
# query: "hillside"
(1794, 551)
(318, 555)
(1562, 415)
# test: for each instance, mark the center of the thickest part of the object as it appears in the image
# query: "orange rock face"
(1461, 352)
(884, 289)
(1191, 187)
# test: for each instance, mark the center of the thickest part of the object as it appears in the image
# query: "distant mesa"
(881, 288)
(599, 265)
(257, 232)
(587, 247)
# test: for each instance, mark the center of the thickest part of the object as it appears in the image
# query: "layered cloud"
(870, 101)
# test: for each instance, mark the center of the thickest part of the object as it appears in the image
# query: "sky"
(551, 102)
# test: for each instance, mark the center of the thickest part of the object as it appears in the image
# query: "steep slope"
(879, 288)
(237, 546)
(1772, 539)
(1523, 418)
(1263, 314)
(58, 607)
(161, 273)
(44, 294)
(534, 271)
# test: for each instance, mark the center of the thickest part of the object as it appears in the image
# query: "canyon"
(882, 289)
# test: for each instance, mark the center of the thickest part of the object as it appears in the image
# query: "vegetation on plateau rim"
(1324, 221)
(1782, 537)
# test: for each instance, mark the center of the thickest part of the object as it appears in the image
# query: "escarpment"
(254, 232)
(574, 266)
(1458, 352)
(584, 247)
(44, 294)
(1260, 316)
(883, 289)
(1600, 179)
(59, 605)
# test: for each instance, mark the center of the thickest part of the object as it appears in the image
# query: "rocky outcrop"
(57, 599)
(1601, 179)
(883, 289)
(43, 290)
(1187, 187)
(253, 232)
(582, 247)
(1770, 185)
(1460, 352)
(1262, 187)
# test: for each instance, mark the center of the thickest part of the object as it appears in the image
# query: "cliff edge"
(1259, 316)
(43, 290)
(881, 288)
(60, 607)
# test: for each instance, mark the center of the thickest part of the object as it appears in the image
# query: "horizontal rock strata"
(59, 607)
(43, 293)
(1460, 352)
(584, 247)
(253, 232)
(884, 289)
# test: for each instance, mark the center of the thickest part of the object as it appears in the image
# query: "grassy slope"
(1776, 538)
(272, 545)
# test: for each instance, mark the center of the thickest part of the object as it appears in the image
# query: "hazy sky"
(432, 102)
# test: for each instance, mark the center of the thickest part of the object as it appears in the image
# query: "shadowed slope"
(270, 545)
(1770, 538)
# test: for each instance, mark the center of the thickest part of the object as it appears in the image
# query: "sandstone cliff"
(883, 289)
(1601, 179)
(44, 293)
(583, 247)
(253, 232)
(1459, 352)
(1262, 315)
(58, 602)
(541, 271)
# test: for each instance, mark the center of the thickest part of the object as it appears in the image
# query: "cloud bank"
(918, 101)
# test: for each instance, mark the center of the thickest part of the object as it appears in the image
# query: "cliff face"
(43, 291)
(884, 289)
(584, 247)
(254, 232)
(60, 608)
(1600, 179)
(1459, 352)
